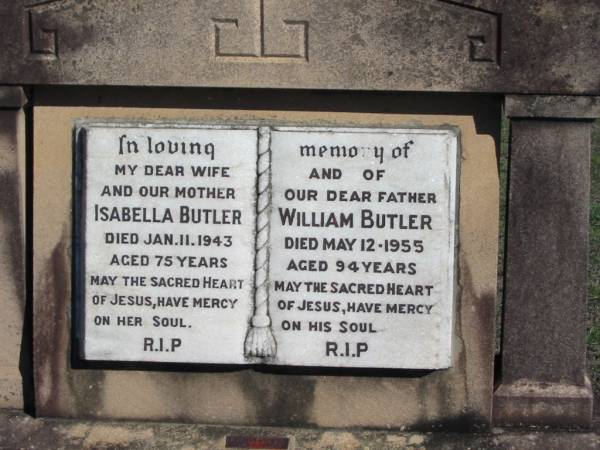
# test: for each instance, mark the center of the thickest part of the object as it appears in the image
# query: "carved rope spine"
(259, 340)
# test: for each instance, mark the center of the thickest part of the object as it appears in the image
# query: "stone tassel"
(259, 340)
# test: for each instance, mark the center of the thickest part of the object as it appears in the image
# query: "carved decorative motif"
(232, 40)
(43, 37)
(484, 45)
(260, 342)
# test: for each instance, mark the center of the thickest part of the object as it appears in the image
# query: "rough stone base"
(549, 404)
(18, 431)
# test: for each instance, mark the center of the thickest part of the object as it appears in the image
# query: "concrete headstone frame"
(541, 55)
(459, 395)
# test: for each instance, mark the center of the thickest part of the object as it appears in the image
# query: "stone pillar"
(12, 255)
(544, 380)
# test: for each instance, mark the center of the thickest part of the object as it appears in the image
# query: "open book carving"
(266, 244)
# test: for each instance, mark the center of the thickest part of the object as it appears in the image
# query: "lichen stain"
(282, 400)
(61, 391)
(458, 399)
(51, 334)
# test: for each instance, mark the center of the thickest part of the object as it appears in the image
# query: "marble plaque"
(165, 233)
(274, 245)
(362, 239)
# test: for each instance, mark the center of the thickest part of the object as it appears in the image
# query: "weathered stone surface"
(23, 432)
(551, 106)
(527, 403)
(435, 45)
(459, 397)
(12, 255)
(546, 267)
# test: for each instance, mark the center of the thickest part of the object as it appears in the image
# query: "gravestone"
(336, 266)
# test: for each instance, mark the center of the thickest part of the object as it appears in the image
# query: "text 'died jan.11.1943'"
(165, 241)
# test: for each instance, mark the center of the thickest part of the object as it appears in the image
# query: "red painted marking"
(256, 442)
